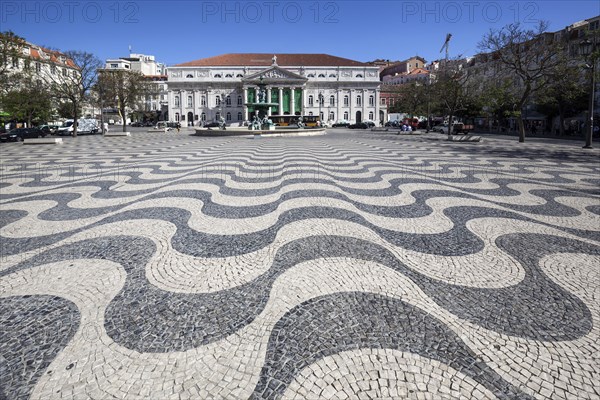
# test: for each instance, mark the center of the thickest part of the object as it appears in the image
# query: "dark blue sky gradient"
(180, 31)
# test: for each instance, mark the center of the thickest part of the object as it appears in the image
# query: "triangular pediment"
(274, 74)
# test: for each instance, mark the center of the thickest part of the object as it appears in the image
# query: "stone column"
(377, 99)
(269, 100)
(302, 101)
(350, 102)
(339, 105)
(245, 107)
(280, 101)
(292, 102)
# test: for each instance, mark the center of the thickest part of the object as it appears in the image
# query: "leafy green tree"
(453, 90)
(31, 103)
(11, 47)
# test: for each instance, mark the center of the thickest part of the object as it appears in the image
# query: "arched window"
(217, 100)
(176, 117)
(332, 100)
(239, 116)
(229, 76)
(371, 100)
(346, 100)
(346, 115)
(190, 102)
(321, 99)
(310, 75)
(311, 100)
(321, 116)
(359, 100)
(228, 116)
(371, 115)
(239, 76)
(218, 76)
(228, 100)
(383, 101)
(203, 100)
(359, 75)
(332, 75)
(176, 101)
(321, 75)
(332, 116)
(310, 113)
(217, 116)
(239, 100)
(203, 117)
(189, 76)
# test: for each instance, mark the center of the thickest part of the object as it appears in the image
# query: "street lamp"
(586, 48)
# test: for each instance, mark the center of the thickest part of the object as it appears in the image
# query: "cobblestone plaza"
(356, 264)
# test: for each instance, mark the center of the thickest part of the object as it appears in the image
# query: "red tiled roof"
(418, 71)
(265, 60)
(53, 56)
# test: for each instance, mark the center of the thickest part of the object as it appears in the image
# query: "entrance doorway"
(358, 117)
(191, 118)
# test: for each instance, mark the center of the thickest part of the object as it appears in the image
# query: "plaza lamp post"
(587, 49)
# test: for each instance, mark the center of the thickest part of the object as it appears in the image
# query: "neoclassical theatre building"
(322, 85)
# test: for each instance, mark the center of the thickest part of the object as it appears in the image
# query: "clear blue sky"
(180, 31)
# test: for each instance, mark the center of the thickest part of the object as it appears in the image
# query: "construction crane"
(446, 45)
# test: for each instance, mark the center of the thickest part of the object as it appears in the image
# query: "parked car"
(17, 135)
(214, 124)
(173, 124)
(359, 125)
(341, 124)
(136, 124)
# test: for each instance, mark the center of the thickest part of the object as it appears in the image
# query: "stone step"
(117, 133)
(43, 141)
(466, 138)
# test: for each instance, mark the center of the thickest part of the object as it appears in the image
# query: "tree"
(564, 95)
(31, 102)
(11, 47)
(498, 101)
(453, 89)
(412, 99)
(73, 86)
(123, 90)
(527, 55)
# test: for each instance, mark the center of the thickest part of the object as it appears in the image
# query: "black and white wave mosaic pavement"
(351, 265)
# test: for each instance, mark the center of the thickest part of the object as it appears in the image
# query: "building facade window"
(371, 115)
(346, 115)
(311, 100)
(228, 101)
(53, 69)
(176, 117)
(371, 100)
(190, 102)
(38, 67)
(189, 76)
(359, 100)
(346, 100)
(239, 100)
(359, 75)
(228, 116)
(332, 116)
(203, 117)
(176, 101)
(332, 100)
(239, 116)
(203, 100)
(217, 116)
(217, 100)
